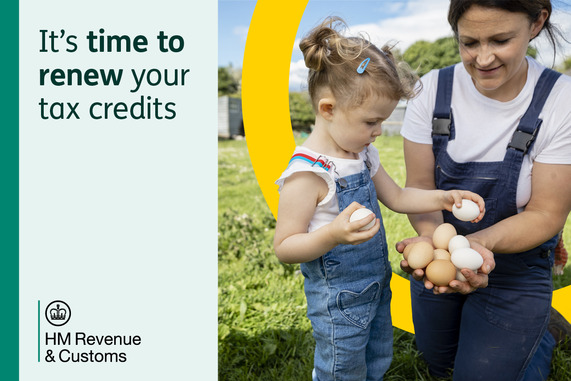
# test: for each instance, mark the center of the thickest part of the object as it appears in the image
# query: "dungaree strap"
(528, 127)
(442, 126)
(444, 93)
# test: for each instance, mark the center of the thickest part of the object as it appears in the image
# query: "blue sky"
(401, 21)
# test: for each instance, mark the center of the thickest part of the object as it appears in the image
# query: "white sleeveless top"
(328, 208)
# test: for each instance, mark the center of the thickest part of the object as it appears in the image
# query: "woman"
(498, 124)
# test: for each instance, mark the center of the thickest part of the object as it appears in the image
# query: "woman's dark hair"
(532, 8)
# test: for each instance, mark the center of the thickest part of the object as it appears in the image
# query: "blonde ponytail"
(333, 60)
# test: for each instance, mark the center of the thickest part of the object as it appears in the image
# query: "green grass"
(263, 332)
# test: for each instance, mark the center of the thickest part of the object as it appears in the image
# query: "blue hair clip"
(363, 65)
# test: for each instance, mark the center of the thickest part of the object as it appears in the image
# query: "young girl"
(354, 87)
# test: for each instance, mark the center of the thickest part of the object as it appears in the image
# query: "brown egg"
(441, 272)
(441, 254)
(442, 235)
(406, 250)
(420, 255)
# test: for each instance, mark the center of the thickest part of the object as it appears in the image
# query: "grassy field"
(263, 332)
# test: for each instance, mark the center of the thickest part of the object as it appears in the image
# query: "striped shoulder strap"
(320, 161)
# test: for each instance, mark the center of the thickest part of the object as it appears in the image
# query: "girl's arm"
(298, 199)
(417, 200)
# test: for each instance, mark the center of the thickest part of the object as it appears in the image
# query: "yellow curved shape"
(265, 91)
(265, 107)
(562, 301)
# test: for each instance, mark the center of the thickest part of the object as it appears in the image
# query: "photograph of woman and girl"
(494, 128)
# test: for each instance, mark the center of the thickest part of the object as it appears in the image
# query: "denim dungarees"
(348, 298)
(492, 333)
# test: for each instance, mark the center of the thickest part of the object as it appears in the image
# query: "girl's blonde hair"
(333, 60)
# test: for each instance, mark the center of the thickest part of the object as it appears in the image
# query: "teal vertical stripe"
(9, 218)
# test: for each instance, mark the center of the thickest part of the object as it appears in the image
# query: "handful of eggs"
(443, 262)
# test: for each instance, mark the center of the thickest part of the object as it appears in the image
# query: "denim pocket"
(357, 307)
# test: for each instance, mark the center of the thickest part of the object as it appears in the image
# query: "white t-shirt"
(328, 208)
(484, 126)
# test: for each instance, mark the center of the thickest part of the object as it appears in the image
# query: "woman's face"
(493, 43)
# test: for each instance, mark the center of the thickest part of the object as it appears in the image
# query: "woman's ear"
(325, 108)
(537, 25)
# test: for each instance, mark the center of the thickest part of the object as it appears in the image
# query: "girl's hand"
(344, 232)
(455, 197)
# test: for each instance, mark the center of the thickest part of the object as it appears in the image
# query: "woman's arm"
(543, 217)
(298, 199)
(419, 163)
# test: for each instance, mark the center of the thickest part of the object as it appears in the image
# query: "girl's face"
(493, 44)
(352, 129)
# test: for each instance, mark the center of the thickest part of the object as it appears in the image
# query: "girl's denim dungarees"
(492, 333)
(348, 298)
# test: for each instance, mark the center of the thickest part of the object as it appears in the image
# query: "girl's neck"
(321, 141)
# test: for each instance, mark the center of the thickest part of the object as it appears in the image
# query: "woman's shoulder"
(564, 85)
(561, 91)
(430, 79)
(535, 70)
(553, 144)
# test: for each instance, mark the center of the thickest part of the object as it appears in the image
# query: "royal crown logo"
(57, 313)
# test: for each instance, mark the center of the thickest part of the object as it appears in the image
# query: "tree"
(424, 56)
(227, 84)
(301, 111)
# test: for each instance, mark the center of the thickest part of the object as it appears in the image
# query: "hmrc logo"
(58, 313)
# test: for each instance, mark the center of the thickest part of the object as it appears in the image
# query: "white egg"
(469, 210)
(466, 258)
(361, 213)
(457, 242)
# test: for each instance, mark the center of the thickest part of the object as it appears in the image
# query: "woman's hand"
(342, 231)
(417, 274)
(473, 280)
